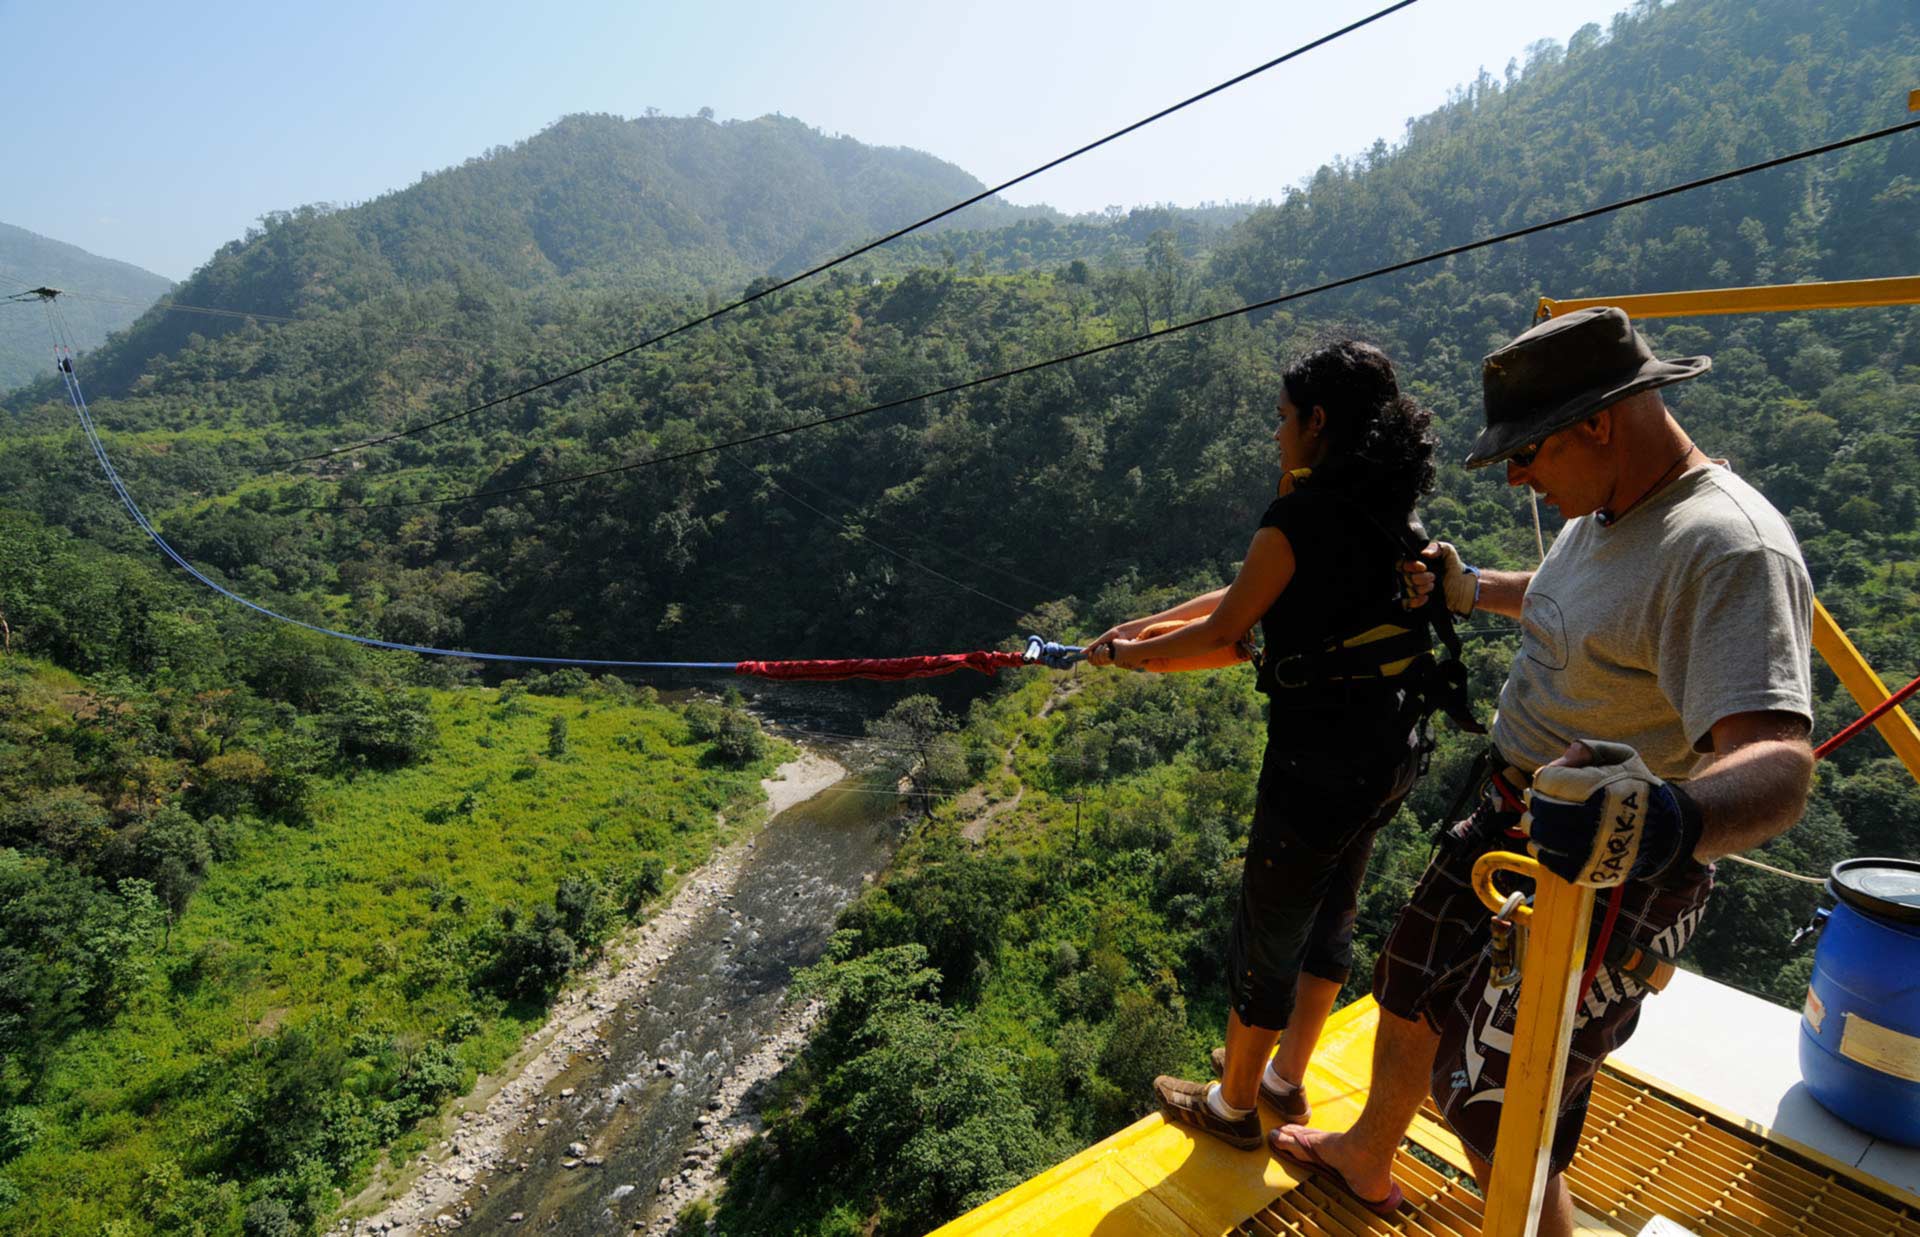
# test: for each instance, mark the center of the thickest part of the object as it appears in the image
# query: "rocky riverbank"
(522, 1097)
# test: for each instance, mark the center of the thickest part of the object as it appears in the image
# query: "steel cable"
(1391, 268)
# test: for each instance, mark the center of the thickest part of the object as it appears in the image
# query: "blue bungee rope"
(1038, 651)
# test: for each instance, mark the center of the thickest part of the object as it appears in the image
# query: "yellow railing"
(1895, 725)
(1765, 298)
(1542, 1036)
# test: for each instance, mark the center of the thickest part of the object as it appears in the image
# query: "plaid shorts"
(1437, 965)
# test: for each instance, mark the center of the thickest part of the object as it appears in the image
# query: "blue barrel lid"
(1888, 888)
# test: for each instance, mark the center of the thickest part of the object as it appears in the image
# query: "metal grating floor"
(1647, 1151)
(1642, 1155)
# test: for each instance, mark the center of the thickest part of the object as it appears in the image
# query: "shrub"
(380, 729)
(229, 783)
(740, 741)
(643, 883)
(1144, 1039)
(533, 955)
(704, 719)
(268, 1217)
(433, 1074)
(566, 681)
(582, 915)
(20, 1128)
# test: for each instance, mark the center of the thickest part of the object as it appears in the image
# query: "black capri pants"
(1313, 831)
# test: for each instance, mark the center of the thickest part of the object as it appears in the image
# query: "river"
(608, 1154)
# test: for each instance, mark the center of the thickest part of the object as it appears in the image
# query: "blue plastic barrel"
(1860, 1029)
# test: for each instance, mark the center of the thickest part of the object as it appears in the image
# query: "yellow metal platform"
(1648, 1151)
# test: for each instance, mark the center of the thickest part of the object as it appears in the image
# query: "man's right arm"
(1502, 592)
(1464, 589)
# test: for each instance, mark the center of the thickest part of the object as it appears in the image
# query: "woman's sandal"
(1310, 1160)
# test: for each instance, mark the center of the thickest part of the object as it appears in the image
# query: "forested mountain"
(29, 260)
(656, 204)
(1031, 976)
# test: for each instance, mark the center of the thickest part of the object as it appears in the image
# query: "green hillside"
(656, 204)
(268, 901)
(31, 260)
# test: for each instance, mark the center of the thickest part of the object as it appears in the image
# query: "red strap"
(1869, 718)
(1513, 801)
(985, 661)
(1599, 954)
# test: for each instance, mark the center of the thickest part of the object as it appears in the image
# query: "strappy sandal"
(1385, 1207)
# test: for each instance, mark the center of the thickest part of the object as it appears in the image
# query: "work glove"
(1440, 564)
(1608, 821)
(1459, 583)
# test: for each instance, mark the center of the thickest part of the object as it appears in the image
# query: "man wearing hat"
(1655, 719)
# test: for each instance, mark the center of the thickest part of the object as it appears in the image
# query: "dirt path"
(431, 1188)
(974, 802)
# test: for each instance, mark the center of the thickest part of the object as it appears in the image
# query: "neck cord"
(1609, 518)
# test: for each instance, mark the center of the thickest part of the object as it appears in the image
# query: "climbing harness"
(1389, 642)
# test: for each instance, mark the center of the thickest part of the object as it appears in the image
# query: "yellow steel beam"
(1842, 294)
(1895, 726)
(1542, 1033)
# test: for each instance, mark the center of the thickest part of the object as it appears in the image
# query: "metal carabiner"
(1508, 941)
(1056, 656)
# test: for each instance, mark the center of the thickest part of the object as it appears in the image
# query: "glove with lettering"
(1609, 821)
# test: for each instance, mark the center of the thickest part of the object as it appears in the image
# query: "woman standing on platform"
(1343, 743)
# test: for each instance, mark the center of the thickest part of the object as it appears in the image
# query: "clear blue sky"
(156, 132)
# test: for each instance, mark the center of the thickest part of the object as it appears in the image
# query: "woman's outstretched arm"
(1263, 576)
(1197, 607)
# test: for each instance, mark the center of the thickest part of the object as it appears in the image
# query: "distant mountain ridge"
(39, 260)
(659, 203)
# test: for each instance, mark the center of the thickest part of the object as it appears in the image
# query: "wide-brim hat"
(1562, 372)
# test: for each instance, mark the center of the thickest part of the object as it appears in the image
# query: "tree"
(173, 854)
(740, 741)
(918, 742)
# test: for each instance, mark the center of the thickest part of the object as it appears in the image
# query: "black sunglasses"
(1524, 456)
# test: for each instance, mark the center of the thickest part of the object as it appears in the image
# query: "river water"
(714, 1001)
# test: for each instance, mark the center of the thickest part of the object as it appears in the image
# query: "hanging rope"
(892, 668)
(1767, 867)
(1146, 337)
(870, 246)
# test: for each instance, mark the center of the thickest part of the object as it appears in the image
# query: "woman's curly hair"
(1380, 442)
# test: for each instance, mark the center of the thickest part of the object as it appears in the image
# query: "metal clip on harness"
(1052, 655)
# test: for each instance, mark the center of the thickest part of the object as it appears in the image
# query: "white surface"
(1660, 1226)
(1742, 1055)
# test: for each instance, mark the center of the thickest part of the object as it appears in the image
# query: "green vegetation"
(265, 906)
(32, 260)
(1047, 940)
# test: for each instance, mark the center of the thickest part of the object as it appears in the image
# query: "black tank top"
(1345, 565)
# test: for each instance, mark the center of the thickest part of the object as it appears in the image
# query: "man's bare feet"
(1367, 1175)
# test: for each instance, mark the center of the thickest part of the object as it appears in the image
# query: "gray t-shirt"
(1695, 606)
